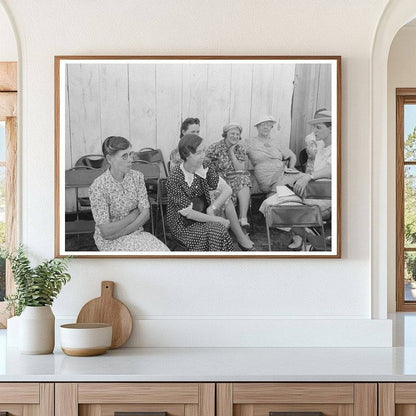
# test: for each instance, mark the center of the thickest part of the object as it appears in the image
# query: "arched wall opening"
(396, 14)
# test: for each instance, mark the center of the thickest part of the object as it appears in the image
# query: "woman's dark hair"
(187, 122)
(188, 144)
(113, 144)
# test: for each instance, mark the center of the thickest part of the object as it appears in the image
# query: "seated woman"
(319, 163)
(119, 203)
(188, 198)
(230, 160)
(220, 196)
(269, 157)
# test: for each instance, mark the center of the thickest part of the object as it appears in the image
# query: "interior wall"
(401, 74)
(8, 47)
(177, 302)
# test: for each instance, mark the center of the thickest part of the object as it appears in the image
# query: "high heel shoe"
(242, 248)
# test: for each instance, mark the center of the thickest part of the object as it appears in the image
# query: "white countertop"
(213, 364)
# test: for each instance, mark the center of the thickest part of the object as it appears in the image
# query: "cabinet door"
(26, 399)
(297, 399)
(397, 399)
(145, 399)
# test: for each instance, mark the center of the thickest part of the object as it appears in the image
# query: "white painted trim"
(396, 14)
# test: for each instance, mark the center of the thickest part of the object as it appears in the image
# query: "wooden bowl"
(84, 340)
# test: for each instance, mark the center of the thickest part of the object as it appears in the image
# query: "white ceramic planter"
(37, 330)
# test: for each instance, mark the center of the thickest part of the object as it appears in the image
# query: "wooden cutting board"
(107, 309)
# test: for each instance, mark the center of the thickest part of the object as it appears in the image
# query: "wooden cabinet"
(397, 399)
(27, 399)
(262, 399)
(105, 399)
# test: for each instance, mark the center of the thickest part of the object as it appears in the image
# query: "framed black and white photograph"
(198, 156)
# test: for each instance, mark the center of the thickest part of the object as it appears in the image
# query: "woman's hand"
(300, 185)
(223, 221)
(211, 211)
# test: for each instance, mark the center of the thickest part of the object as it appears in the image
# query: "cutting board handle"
(107, 288)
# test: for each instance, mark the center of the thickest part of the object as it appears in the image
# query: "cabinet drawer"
(106, 399)
(296, 399)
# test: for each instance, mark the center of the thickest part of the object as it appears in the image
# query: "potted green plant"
(36, 289)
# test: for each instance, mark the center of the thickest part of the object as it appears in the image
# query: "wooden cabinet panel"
(27, 399)
(104, 399)
(332, 399)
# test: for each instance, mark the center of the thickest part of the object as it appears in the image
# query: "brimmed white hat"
(321, 116)
(266, 117)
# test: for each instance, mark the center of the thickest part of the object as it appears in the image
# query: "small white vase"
(37, 330)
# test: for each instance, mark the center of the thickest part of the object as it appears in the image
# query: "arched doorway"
(396, 14)
(8, 148)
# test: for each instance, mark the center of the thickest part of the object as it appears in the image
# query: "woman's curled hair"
(113, 144)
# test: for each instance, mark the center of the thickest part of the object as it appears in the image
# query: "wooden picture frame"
(146, 98)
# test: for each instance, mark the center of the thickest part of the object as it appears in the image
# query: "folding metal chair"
(80, 177)
(148, 154)
(93, 161)
(291, 215)
(151, 173)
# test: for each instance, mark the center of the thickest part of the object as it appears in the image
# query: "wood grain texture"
(191, 410)
(8, 105)
(27, 393)
(138, 393)
(13, 409)
(264, 409)
(386, 399)
(90, 410)
(252, 393)
(399, 204)
(365, 399)
(107, 309)
(66, 399)
(47, 399)
(224, 399)
(110, 409)
(11, 204)
(405, 393)
(207, 399)
(8, 76)
(345, 410)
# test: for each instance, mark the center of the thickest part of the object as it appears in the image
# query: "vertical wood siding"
(146, 103)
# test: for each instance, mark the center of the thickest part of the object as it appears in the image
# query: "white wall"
(401, 74)
(211, 302)
(8, 47)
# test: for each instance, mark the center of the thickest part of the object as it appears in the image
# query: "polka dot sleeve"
(176, 192)
(99, 206)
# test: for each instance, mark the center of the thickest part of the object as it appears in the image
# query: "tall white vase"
(37, 330)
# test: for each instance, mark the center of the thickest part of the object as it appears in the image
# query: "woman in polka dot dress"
(119, 203)
(190, 214)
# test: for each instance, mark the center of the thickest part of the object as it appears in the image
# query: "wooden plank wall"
(312, 90)
(146, 103)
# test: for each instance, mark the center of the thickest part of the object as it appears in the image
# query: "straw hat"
(230, 126)
(266, 117)
(321, 116)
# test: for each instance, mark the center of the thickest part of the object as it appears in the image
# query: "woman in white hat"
(230, 160)
(318, 165)
(269, 157)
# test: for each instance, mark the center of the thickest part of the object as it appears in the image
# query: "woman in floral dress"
(230, 161)
(119, 203)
